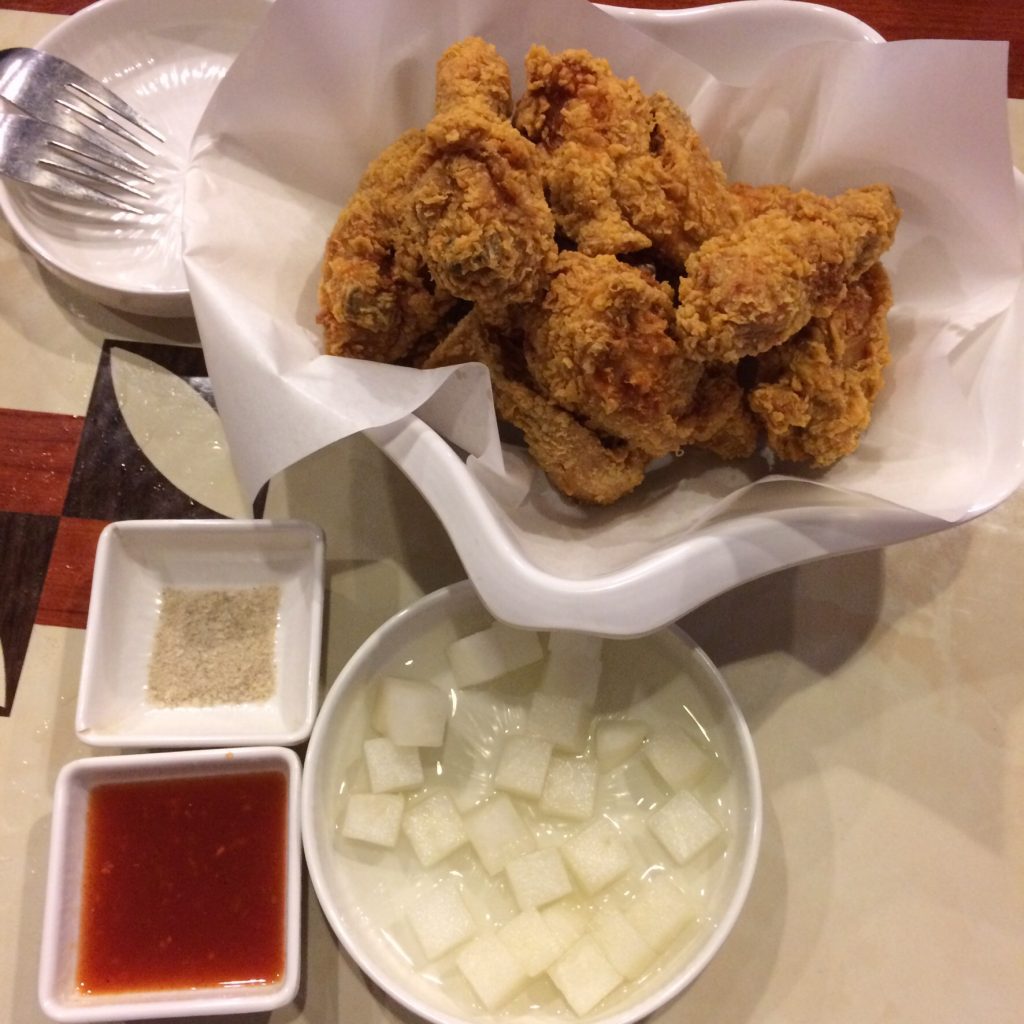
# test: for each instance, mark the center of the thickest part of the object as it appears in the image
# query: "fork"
(69, 143)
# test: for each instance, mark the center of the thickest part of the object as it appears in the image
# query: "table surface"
(883, 689)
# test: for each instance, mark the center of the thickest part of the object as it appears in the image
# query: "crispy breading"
(578, 461)
(752, 288)
(601, 345)
(628, 301)
(814, 394)
(624, 172)
(454, 211)
(375, 296)
(718, 419)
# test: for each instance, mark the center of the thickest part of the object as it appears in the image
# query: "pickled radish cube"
(626, 948)
(374, 818)
(440, 919)
(570, 789)
(573, 666)
(616, 741)
(498, 833)
(597, 855)
(411, 713)
(493, 652)
(391, 767)
(491, 969)
(523, 766)
(566, 922)
(563, 721)
(660, 910)
(584, 975)
(538, 878)
(434, 828)
(676, 758)
(683, 826)
(532, 942)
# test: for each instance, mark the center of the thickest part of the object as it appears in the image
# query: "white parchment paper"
(326, 84)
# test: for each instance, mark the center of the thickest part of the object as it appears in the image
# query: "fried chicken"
(628, 301)
(578, 461)
(482, 222)
(718, 419)
(601, 346)
(376, 298)
(453, 211)
(814, 394)
(624, 172)
(752, 288)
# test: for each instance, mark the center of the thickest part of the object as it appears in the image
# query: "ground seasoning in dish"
(184, 883)
(214, 646)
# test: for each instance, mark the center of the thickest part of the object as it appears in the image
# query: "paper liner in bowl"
(265, 185)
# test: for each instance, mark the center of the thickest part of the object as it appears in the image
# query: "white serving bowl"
(165, 59)
(135, 560)
(357, 890)
(64, 889)
(945, 438)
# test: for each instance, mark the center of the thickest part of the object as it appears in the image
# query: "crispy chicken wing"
(624, 172)
(455, 211)
(578, 461)
(717, 419)
(751, 289)
(376, 297)
(815, 392)
(601, 345)
(483, 224)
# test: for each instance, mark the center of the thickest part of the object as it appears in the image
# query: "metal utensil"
(75, 141)
(61, 162)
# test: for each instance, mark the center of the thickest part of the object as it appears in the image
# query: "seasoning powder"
(214, 646)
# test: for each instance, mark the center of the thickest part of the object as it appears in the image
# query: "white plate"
(135, 560)
(165, 59)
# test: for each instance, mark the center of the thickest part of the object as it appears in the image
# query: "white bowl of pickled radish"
(516, 826)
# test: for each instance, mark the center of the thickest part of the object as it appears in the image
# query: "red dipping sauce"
(184, 883)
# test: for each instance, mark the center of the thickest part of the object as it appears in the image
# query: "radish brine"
(536, 821)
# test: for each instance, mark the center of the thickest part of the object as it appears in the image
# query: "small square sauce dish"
(203, 633)
(174, 886)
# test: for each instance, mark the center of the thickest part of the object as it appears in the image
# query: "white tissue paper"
(324, 85)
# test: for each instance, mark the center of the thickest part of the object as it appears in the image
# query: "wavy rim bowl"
(322, 769)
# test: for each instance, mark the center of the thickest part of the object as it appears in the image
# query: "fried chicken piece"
(484, 226)
(589, 125)
(580, 463)
(375, 295)
(718, 419)
(623, 172)
(815, 392)
(601, 346)
(753, 288)
(693, 201)
(472, 73)
(455, 211)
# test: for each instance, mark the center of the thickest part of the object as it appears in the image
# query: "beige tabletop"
(885, 692)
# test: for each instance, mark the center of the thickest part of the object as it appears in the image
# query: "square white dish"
(135, 561)
(64, 888)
